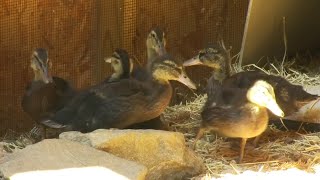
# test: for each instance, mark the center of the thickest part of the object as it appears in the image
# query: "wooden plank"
(263, 34)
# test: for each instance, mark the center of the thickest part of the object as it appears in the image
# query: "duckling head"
(262, 94)
(41, 65)
(165, 68)
(156, 42)
(213, 56)
(121, 64)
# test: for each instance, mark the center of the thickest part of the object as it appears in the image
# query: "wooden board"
(263, 36)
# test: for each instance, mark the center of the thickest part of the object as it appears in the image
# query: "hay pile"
(277, 150)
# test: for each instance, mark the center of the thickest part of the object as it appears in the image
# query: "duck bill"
(192, 62)
(184, 79)
(274, 108)
(108, 59)
(46, 76)
(161, 50)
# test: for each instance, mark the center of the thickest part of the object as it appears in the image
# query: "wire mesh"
(64, 28)
(78, 34)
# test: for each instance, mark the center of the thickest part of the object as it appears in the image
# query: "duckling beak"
(161, 50)
(46, 77)
(274, 108)
(262, 94)
(108, 59)
(193, 61)
(184, 79)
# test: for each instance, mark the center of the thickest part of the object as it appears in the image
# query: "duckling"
(156, 44)
(45, 94)
(123, 103)
(239, 113)
(121, 64)
(289, 97)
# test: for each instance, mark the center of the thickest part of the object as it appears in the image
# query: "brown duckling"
(239, 113)
(122, 65)
(45, 94)
(123, 103)
(156, 44)
(289, 97)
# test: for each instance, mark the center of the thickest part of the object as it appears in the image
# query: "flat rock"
(164, 153)
(63, 159)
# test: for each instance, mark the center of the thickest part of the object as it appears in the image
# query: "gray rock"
(163, 153)
(63, 159)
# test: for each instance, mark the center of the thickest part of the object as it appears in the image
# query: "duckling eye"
(116, 62)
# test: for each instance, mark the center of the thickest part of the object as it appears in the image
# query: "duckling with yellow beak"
(239, 113)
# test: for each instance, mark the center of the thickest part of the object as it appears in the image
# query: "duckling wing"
(124, 88)
(39, 100)
(97, 112)
(244, 79)
(220, 115)
(101, 106)
(64, 90)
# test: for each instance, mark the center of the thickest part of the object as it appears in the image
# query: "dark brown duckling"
(45, 94)
(239, 113)
(123, 103)
(156, 44)
(289, 97)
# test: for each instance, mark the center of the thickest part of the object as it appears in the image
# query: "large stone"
(63, 159)
(163, 153)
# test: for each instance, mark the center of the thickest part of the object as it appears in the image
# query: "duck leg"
(199, 135)
(242, 146)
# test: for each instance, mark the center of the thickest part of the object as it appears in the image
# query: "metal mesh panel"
(63, 27)
(78, 34)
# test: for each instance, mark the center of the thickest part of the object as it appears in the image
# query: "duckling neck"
(161, 94)
(219, 76)
(214, 90)
(37, 76)
(151, 53)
